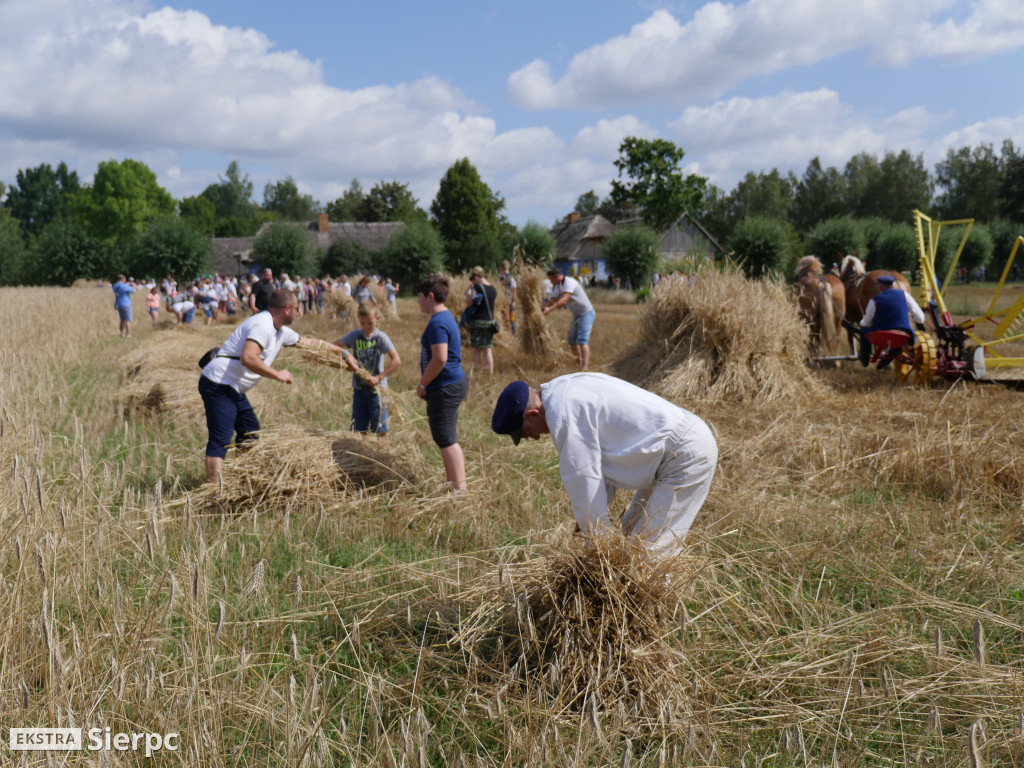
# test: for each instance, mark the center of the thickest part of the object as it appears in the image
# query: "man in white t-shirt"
(568, 291)
(243, 359)
(610, 434)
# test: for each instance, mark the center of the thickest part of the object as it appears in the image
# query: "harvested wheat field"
(850, 595)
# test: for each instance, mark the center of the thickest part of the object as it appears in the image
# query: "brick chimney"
(322, 224)
(574, 217)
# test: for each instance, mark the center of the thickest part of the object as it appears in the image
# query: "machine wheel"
(918, 363)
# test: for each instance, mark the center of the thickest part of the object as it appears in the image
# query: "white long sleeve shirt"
(607, 432)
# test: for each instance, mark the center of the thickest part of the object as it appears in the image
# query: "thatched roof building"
(233, 255)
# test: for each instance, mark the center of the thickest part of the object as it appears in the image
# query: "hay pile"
(537, 338)
(290, 467)
(387, 312)
(719, 336)
(336, 303)
(589, 622)
(161, 377)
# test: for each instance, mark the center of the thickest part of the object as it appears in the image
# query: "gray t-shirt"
(370, 353)
(579, 304)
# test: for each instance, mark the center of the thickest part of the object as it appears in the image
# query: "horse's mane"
(808, 265)
(851, 266)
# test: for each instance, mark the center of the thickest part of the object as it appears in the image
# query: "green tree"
(65, 252)
(172, 246)
(346, 207)
(41, 196)
(465, 214)
(200, 212)
(237, 214)
(632, 254)
(390, 201)
(283, 199)
(13, 253)
(1004, 237)
(537, 242)
(124, 199)
(586, 204)
(347, 257)
(285, 248)
(649, 176)
(833, 239)
(892, 188)
(412, 253)
(970, 181)
(761, 245)
(1011, 183)
(819, 195)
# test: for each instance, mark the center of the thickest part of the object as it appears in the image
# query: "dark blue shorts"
(229, 417)
(443, 411)
(368, 412)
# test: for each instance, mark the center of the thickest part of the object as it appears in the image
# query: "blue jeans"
(579, 329)
(228, 415)
(368, 412)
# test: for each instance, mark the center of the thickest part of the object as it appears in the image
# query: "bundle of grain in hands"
(589, 620)
(301, 468)
(720, 336)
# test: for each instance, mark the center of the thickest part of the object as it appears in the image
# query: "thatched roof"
(576, 237)
(371, 235)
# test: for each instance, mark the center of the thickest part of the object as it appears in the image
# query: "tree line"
(54, 229)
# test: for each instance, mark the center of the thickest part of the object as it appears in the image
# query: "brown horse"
(821, 301)
(861, 286)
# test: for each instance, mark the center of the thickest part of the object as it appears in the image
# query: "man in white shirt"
(610, 434)
(243, 359)
(568, 291)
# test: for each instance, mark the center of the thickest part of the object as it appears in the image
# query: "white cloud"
(786, 131)
(723, 44)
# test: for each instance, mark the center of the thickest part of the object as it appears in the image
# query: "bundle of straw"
(720, 336)
(387, 312)
(337, 303)
(320, 355)
(591, 618)
(166, 390)
(538, 340)
(293, 467)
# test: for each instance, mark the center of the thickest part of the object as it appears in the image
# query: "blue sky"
(537, 95)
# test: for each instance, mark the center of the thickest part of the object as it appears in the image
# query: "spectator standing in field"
(510, 285)
(374, 352)
(480, 318)
(346, 286)
(568, 291)
(123, 291)
(363, 292)
(153, 304)
(610, 434)
(259, 299)
(391, 291)
(443, 383)
(243, 359)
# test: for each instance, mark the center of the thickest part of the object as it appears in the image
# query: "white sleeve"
(916, 313)
(579, 463)
(869, 315)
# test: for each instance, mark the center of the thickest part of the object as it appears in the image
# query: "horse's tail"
(828, 334)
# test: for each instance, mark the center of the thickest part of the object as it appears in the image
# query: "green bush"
(285, 248)
(761, 245)
(171, 246)
(632, 254)
(537, 242)
(833, 239)
(347, 257)
(412, 253)
(13, 254)
(1004, 237)
(896, 248)
(978, 249)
